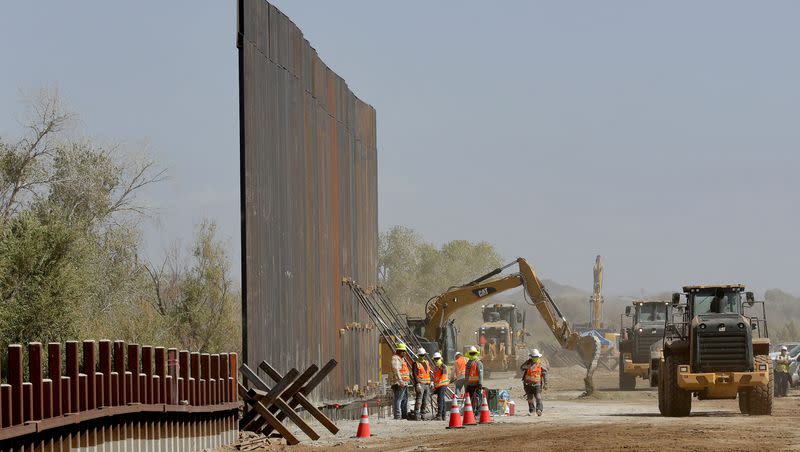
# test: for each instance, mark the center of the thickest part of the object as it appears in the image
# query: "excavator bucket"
(588, 349)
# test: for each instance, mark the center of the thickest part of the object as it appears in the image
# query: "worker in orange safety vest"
(534, 380)
(459, 372)
(441, 382)
(422, 384)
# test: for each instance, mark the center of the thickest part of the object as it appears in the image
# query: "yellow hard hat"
(400, 347)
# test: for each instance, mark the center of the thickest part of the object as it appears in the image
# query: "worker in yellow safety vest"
(422, 384)
(534, 380)
(400, 379)
(782, 372)
(474, 376)
(440, 384)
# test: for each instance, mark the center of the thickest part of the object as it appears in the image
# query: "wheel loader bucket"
(588, 349)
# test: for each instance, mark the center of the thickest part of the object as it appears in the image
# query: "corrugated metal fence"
(309, 207)
(115, 396)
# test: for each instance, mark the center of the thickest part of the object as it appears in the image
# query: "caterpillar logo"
(480, 293)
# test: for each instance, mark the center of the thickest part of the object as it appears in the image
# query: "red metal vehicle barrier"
(108, 392)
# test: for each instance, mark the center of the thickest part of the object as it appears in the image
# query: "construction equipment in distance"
(439, 308)
(501, 338)
(596, 302)
(646, 328)
(714, 349)
(596, 327)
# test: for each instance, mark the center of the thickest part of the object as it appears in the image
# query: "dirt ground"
(609, 420)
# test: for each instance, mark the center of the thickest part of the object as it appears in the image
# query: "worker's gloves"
(418, 387)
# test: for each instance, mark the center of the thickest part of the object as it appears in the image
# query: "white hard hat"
(535, 353)
(473, 349)
(783, 347)
(437, 355)
(421, 351)
(458, 354)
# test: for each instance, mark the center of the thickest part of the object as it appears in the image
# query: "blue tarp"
(599, 336)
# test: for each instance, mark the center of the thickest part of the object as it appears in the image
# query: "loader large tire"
(626, 382)
(743, 396)
(759, 398)
(661, 407)
(677, 402)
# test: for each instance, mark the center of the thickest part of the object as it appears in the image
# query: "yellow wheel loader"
(715, 347)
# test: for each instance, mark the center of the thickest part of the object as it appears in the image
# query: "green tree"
(40, 280)
(198, 295)
(69, 267)
(413, 271)
(401, 257)
(68, 216)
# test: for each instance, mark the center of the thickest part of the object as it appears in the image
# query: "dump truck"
(715, 346)
(501, 337)
(646, 327)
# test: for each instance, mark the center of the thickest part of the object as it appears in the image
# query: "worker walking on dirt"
(459, 372)
(782, 373)
(422, 384)
(474, 376)
(441, 381)
(399, 379)
(534, 380)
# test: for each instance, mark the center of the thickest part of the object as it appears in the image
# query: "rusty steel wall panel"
(309, 207)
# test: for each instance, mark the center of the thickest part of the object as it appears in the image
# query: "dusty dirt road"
(610, 420)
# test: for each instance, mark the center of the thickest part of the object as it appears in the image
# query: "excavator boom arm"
(444, 305)
(555, 320)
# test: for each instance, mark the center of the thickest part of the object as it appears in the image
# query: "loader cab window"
(652, 312)
(496, 314)
(719, 302)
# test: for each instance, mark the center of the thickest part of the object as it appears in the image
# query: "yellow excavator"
(439, 308)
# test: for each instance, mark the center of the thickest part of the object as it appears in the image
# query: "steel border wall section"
(308, 163)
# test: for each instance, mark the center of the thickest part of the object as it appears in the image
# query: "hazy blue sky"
(664, 136)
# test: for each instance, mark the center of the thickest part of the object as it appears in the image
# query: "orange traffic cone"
(469, 416)
(363, 424)
(485, 416)
(455, 415)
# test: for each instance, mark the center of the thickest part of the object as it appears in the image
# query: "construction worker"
(782, 373)
(474, 376)
(440, 384)
(399, 379)
(534, 379)
(459, 372)
(422, 384)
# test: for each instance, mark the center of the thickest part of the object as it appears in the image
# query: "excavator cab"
(447, 337)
